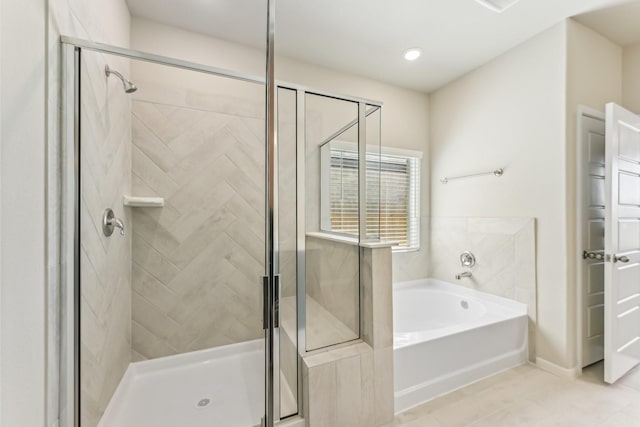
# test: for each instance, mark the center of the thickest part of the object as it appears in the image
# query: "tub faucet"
(463, 274)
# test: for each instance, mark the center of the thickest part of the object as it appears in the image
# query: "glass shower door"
(287, 390)
(172, 247)
(171, 242)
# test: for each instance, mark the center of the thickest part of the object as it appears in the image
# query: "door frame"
(583, 111)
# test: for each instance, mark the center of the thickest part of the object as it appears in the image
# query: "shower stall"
(205, 257)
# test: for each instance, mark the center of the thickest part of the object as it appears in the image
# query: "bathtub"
(446, 336)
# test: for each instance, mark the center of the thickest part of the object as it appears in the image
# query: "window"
(396, 210)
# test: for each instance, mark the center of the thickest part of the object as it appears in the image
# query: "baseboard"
(571, 373)
(296, 421)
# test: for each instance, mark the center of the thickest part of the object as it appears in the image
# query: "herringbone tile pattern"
(105, 262)
(197, 260)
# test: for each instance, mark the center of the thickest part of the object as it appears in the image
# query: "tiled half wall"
(505, 251)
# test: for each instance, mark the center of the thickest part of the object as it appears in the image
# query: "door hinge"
(600, 256)
(596, 255)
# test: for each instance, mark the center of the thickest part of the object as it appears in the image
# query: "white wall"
(594, 78)
(22, 199)
(404, 115)
(631, 78)
(510, 113)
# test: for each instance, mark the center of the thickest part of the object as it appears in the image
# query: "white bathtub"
(447, 336)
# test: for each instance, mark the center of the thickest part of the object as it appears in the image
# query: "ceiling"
(620, 24)
(367, 37)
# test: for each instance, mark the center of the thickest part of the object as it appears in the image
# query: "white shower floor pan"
(221, 387)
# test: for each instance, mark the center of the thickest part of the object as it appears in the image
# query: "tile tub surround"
(105, 262)
(529, 396)
(414, 265)
(197, 260)
(505, 252)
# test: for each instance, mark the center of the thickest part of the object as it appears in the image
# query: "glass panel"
(287, 219)
(374, 139)
(176, 297)
(339, 197)
(332, 252)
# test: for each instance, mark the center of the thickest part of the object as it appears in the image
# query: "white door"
(622, 243)
(592, 208)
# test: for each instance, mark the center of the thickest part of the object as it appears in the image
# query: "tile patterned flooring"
(529, 396)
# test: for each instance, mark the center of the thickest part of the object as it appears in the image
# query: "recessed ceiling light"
(497, 5)
(412, 54)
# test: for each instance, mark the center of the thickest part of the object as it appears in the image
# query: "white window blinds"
(393, 206)
(343, 192)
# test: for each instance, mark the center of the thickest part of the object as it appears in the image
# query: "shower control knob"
(467, 259)
(110, 222)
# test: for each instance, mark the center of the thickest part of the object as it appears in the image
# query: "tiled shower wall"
(505, 251)
(105, 261)
(197, 260)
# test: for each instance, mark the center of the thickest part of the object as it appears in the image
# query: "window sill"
(352, 241)
(398, 250)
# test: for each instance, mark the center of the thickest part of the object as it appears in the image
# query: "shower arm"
(126, 83)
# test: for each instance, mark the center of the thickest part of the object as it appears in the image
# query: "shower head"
(129, 87)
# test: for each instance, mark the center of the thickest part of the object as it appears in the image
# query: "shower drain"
(203, 403)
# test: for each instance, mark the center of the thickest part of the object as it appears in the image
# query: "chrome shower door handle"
(276, 301)
(275, 294)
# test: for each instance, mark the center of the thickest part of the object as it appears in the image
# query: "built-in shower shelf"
(143, 202)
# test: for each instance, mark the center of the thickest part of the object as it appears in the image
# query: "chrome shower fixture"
(129, 87)
(467, 259)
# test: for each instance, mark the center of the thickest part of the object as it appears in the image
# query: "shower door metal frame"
(70, 165)
(205, 69)
(271, 294)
